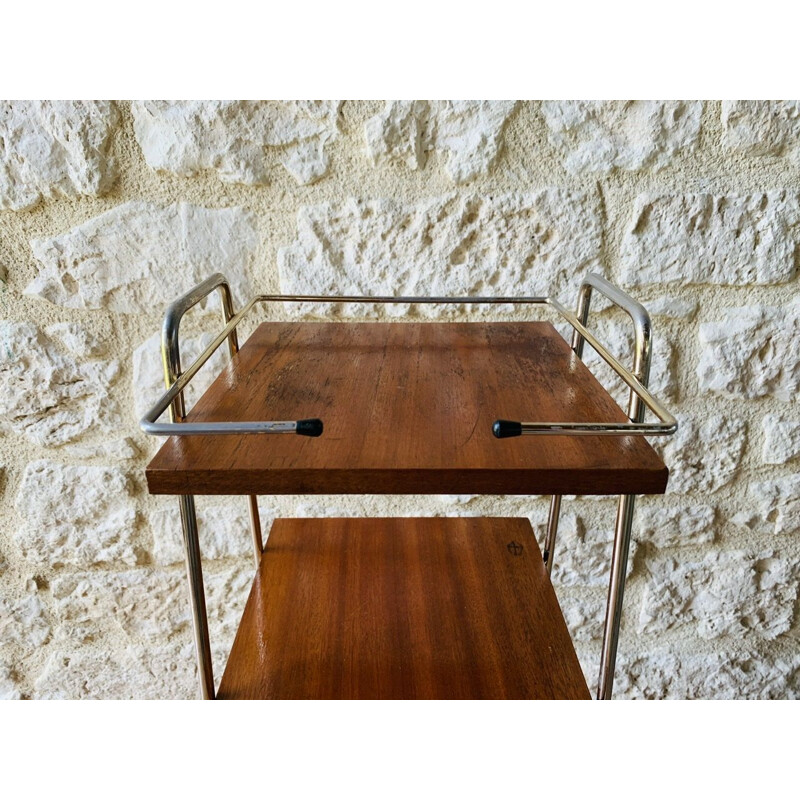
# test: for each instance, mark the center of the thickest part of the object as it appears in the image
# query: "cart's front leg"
(194, 571)
(616, 590)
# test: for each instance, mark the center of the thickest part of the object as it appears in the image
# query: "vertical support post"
(616, 591)
(233, 348)
(622, 528)
(582, 313)
(194, 572)
(552, 531)
(624, 521)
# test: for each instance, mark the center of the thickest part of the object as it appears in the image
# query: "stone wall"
(108, 210)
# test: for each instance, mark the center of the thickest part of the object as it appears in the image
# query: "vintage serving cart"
(406, 608)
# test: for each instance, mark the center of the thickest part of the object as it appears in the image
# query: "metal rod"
(616, 592)
(255, 529)
(625, 507)
(666, 426)
(197, 599)
(552, 531)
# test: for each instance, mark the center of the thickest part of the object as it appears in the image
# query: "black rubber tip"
(309, 427)
(503, 428)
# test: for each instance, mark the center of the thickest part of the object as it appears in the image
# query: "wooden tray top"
(407, 409)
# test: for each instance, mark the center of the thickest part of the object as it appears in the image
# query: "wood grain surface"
(399, 609)
(407, 408)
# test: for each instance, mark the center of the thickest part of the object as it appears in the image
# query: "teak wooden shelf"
(437, 608)
(405, 608)
(408, 409)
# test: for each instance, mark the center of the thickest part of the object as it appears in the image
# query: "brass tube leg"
(255, 527)
(552, 531)
(197, 598)
(616, 589)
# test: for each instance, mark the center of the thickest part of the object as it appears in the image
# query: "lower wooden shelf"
(429, 608)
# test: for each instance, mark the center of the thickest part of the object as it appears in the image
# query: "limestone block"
(725, 594)
(673, 308)
(703, 455)
(752, 352)
(778, 506)
(54, 147)
(239, 139)
(9, 687)
(781, 439)
(148, 371)
(147, 603)
(673, 525)
(469, 131)
(717, 239)
(142, 602)
(583, 557)
(601, 135)
(75, 514)
(224, 530)
(516, 244)
(662, 674)
(48, 396)
(761, 127)
(584, 617)
(139, 256)
(23, 621)
(109, 673)
(226, 595)
(77, 339)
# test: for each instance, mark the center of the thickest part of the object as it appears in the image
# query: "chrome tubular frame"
(640, 399)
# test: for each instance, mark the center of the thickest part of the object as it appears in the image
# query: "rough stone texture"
(54, 147)
(224, 530)
(77, 515)
(601, 135)
(23, 621)
(469, 131)
(752, 352)
(725, 594)
(148, 372)
(77, 339)
(147, 603)
(536, 243)
(114, 450)
(51, 396)
(9, 688)
(583, 557)
(139, 255)
(674, 525)
(584, 617)
(142, 602)
(781, 439)
(673, 308)
(761, 127)
(703, 456)
(778, 506)
(720, 676)
(129, 673)
(234, 137)
(719, 239)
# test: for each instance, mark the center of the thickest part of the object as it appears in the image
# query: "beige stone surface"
(236, 139)
(137, 255)
(694, 212)
(52, 148)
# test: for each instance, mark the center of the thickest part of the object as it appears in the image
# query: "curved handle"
(643, 328)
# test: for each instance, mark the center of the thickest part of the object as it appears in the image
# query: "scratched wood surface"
(407, 408)
(402, 609)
